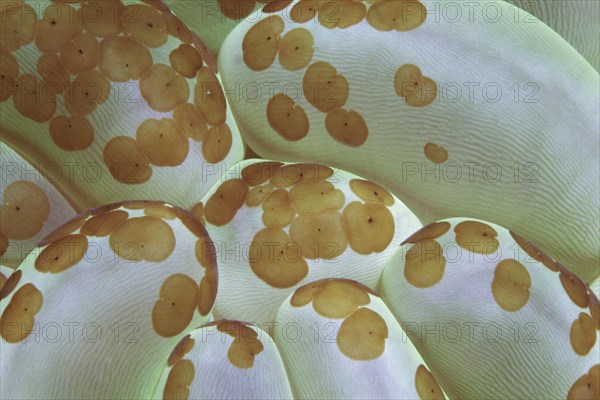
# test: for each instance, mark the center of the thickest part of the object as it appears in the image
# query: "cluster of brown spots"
(162, 142)
(330, 13)
(583, 334)
(60, 24)
(18, 318)
(511, 285)
(222, 206)
(186, 60)
(122, 58)
(370, 226)
(275, 259)
(427, 386)
(416, 89)
(71, 133)
(143, 238)
(80, 54)
(371, 192)
(246, 345)
(324, 88)
(163, 88)
(587, 387)
(25, 208)
(179, 381)
(476, 237)
(86, 92)
(435, 153)
(10, 284)
(17, 25)
(34, 98)
(146, 25)
(347, 127)
(261, 42)
(125, 161)
(184, 346)
(399, 15)
(217, 144)
(425, 264)
(174, 310)
(62, 254)
(287, 118)
(209, 97)
(192, 122)
(535, 252)
(103, 224)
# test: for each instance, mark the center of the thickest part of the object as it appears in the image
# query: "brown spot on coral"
(304, 11)
(258, 173)
(594, 306)
(174, 309)
(186, 60)
(275, 259)
(103, 224)
(583, 334)
(53, 72)
(296, 49)
(347, 127)
(371, 192)
(192, 122)
(34, 99)
(104, 18)
(60, 24)
(246, 345)
(401, 15)
(258, 194)
(341, 13)
(339, 298)
(179, 380)
(436, 154)
(184, 346)
(163, 89)
(431, 231)
(65, 229)
(316, 197)
(261, 42)
(163, 211)
(86, 92)
(476, 237)
(3, 246)
(17, 25)
(162, 142)
(80, 54)
(417, 90)
(427, 386)
(209, 97)
(370, 227)
(362, 335)
(319, 236)
(222, 206)
(277, 209)
(62, 254)
(324, 88)
(18, 319)
(425, 264)
(9, 71)
(123, 58)
(292, 174)
(208, 288)
(125, 161)
(145, 24)
(176, 27)
(71, 133)
(587, 387)
(511, 285)
(198, 212)
(287, 118)
(217, 144)
(10, 284)
(143, 238)
(575, 287)
(25, 208)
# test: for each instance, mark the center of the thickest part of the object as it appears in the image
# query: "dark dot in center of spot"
(150, 25)
(53, 23)
(17, 208)
(80, 51)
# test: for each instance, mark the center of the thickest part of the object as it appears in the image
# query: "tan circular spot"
(146, 24)
(125, 161)
(436, 154)
(583, 334)
(34, 98)
(222, 206)
(174, 309)
(62, 254)
(402, 15)
(17, 25)
(347, 127)
(425, 264)
(431, 231)
(276, 5)
(258, 194)
(184, 346)
(176, 27)
(10, 284)
(511, 285)
(143, 238)
(53, 72)
(258, 173)
(192, 122)
(275, 259)
(341, 13)
(80, 54)
(65, 229)
(594, 305)
(103, 18)
(339, 298)
(417, 90)
(71, 133)
(186, 60)
(370, 226)
(18, 318)
(324, 88)
(60, 24)
(587, 387)
(122, 58)
(287, 118)
(316, 197)
(9, 71)
(103, 224)
(277, 209)
(86, 92)
(261, 42)
(209, 97)
(296, 49)
(208, 289)
(25, 208)
(163, 89)
(179, 380)
(304, 11)
(319, 236)
(575, 287)
(217, 144)
(198, 212)
(362, 335)
(427, 386)
(162, 142)
(476, 237)
(246, 345)
(535, 252)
